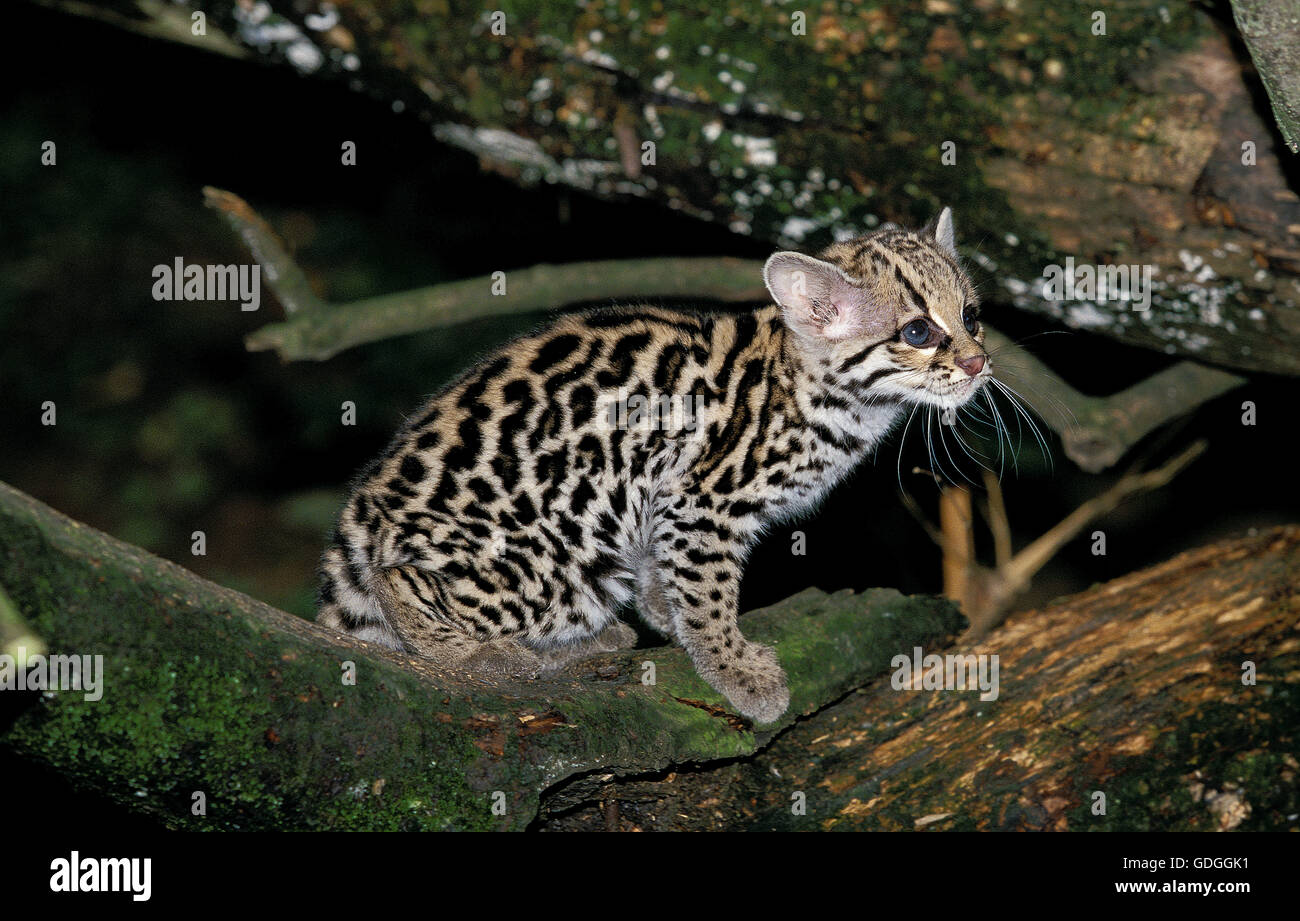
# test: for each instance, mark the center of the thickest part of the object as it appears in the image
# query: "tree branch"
(1136, 687)
(1096, 431)
(324, 333)
(208, 689)
(17, 639)
(1001, 585)
(1269, 29)
(283, 275)
(1154, 162)
(999, 524)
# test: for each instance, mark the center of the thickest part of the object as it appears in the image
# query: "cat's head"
(893, 311)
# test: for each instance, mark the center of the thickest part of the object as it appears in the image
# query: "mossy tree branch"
(1271, 29)
(208, 690)
(1122, 145)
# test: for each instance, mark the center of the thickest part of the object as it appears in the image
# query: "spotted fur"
(513, 516)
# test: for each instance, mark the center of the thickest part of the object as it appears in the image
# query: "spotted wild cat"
(523, 506)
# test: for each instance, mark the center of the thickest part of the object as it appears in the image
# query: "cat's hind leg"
(431, 624)
(652, 604)
(615, 636)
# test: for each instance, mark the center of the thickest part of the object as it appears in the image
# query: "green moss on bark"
(206, 690)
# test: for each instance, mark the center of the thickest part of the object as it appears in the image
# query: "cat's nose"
(971, 364)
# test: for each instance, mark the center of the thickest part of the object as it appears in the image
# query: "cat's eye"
(969, 320)
(917, 333)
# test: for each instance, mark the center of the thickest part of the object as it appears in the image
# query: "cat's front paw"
(755, 684)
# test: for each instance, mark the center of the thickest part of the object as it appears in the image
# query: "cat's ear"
(942, 232)
(817, 298)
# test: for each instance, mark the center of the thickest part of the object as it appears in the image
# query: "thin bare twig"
(283, 275)
(957, 527)
(1007, 581)
(999, 524)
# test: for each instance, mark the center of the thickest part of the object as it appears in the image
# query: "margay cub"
(521, 508)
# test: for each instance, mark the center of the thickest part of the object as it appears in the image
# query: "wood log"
(1269, 29)
(206, 690)
(1174, 693)
(1127, 136)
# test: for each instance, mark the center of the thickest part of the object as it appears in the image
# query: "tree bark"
(1121, 141)
(1271, 30)
(1135, 690)
(209, 691)
(1095, 431)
